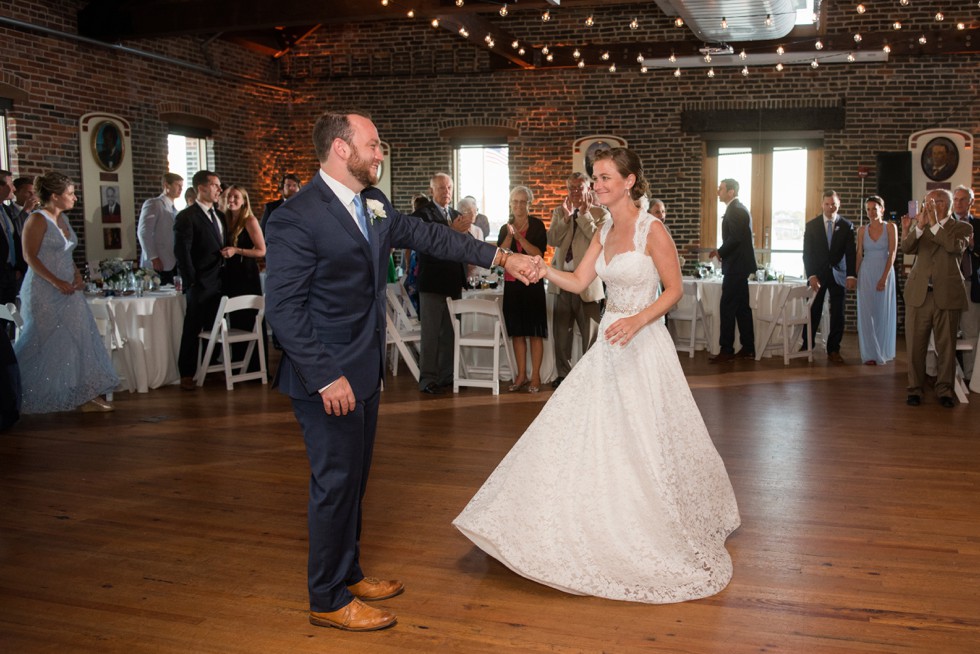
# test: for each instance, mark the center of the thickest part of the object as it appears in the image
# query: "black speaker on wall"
(893, 170)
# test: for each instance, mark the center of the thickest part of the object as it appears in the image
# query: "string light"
(545, 50)
(612, 69)
(939, 17)
(724, 23)
(677, 72)
(515, 44)
(503, 12)
(923, 40)
(643, 69)
(550, 57)
(814, 64)
(818, 45)
(384, 3)
(521, 51)
(860, 9)
(672, 58)
(463, 32)
(961, 26)
(411, 13)
(745, 71)
(768, 20)
(857, 38)
(707, 58)
(639, 58)
(546, 16)
(634, 24)
(435, 22)
(887, 49)
(491, 43)
(742, 55)
(488, 38)
(897, 25)
(711, 72)
(589, 22)
(576, 54)
(678, 22)
(581, 63)
(904, 3)
(605, 56)
(779, 66)
(459, 3)
(850, 57)
(780, 50)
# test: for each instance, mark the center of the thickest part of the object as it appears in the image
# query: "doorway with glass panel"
(781, 184)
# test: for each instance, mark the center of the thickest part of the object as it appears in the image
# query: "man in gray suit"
(934, 292)
(573, 224)
(156, 229)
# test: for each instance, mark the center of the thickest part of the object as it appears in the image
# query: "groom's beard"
(361, 169)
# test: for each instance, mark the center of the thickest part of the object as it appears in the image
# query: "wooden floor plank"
(178, 524)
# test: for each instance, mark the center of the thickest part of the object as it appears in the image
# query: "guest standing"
(829, 255)
(288, 186)
(156, 229)
(525, 306)
(877, 245)
(12, 265)
(934, 293)
(199, 237)
(970, 319)
(63, 362)
(240, 275)
(737, 256)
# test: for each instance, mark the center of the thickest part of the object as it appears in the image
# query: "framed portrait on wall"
(939, 159)
(108, 146)
(111, 209)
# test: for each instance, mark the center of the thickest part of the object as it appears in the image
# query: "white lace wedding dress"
(615, 490)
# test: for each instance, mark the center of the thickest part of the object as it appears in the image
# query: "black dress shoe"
(947, 402)
(913, 400)
(432, 388)
(745, 354)
(557, 382)
(721, 357)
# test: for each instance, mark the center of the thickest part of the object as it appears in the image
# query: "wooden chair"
(484, 329)
(692, 310)
(404, 331)
(222, 333)
(10, 313)
(792, 310)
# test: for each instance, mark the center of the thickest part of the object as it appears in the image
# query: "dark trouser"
(437, 342)
(735, 308)
(836, 331)
(570, 310)
(921, 323)
(339, 449)
(167, 276)
(202, 306)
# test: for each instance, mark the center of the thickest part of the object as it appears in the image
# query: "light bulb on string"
(711, 72)
(780, 50)
(515, 44)
(860, 9)
(672, 58)
(503, 12)
(643, 69)
(605, 56)
(897, 25)
(779, 66)
(521, 51)
(589, 22)
(546, 16)
(384, 3)
(940, 17)
(411, 13)
(639, 58)
(818, 45)
(742, 55)
(459, 3)
(707, 58)
(961, 26)
(850, 57)
(491, 43)
(814, 64)
(576, 54)
(678, 22)
(435, 22)
(857, 38)
(463, 32)
(923, 40)
(545, 50)
(550, 57)
(887, 49)
(745, 71)
(768, 20)
(677, 72)
(612, 69)
(724, 23)
(904, 3)
(581, 63)
(634, 24)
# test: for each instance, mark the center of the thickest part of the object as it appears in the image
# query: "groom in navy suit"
(327, 263)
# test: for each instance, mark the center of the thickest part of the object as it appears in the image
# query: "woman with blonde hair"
(63, 362)
(240, 275)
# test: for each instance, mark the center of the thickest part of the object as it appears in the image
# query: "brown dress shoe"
(187, 384)
(356, 616)
(372, 589)
(721, 357)
(835, 357)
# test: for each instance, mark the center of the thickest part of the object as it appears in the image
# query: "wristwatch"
(503, 258)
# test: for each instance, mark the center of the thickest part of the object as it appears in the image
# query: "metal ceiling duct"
(744, 20)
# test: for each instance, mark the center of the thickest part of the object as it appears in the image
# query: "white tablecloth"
(766, 296)
(150, 328)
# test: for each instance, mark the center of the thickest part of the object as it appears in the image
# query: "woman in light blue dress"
(64, 364)
(877, 244)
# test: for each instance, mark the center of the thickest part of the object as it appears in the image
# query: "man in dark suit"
(934, 292)
(111, 211)
(288, 186)
(437, 280)
(12, 265)
(199, 235)
(327, 262)
(829, 257)
(970, 319)
(737, 256)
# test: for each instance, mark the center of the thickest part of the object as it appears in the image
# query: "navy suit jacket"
(325, 286)
(198, 248)
(834, 263)
(737, 252)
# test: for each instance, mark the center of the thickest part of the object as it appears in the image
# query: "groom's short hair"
(333, 125)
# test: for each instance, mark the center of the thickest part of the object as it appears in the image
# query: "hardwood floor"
(178, 524)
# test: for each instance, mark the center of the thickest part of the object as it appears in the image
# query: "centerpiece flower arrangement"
(119, 273)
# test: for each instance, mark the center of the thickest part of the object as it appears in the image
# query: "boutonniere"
(377, 210)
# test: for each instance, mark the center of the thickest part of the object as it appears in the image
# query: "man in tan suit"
(573, 224)
(934, 292)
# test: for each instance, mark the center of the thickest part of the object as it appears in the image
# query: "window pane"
(484, 173)
(185, 156)
(735, 163)
(789, 175)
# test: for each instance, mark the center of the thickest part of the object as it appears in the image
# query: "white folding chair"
(404, 331)
(959, 382)
(222, 333)
(792, 310)
(9, 312)
(484, 329)
(111, 337)
(691, 309)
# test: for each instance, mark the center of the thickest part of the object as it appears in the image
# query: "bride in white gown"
(616, 490)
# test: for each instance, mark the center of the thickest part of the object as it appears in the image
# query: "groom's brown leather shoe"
(372, 589)
(356, 616)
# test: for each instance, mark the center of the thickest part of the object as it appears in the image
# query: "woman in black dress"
(240, 275)
(525, 307)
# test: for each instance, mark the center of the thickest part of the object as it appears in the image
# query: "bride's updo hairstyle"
(627, 163)
(50, 184)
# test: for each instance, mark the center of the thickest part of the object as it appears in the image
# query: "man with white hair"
(970, 320)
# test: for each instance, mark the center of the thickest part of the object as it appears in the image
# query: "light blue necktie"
(830, 231)
(362, 219)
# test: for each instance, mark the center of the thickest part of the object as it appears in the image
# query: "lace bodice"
(632, 280)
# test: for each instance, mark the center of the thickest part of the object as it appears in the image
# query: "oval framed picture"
(940, 159)
(108, 145)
